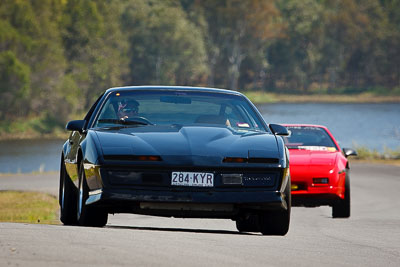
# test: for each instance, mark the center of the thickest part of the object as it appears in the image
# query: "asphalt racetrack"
(370, 237)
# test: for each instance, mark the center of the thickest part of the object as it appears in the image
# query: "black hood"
(188, 145)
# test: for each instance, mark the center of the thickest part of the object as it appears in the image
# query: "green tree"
(14, 84)
(353, 33)
(94, 47)
(30, 42)
(165, 47)
(239, 29)
(390, 45)
(294, 59)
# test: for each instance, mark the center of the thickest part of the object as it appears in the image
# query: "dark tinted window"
(306, 136)
(165, 107)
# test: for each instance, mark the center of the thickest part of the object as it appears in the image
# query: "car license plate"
(202, 179)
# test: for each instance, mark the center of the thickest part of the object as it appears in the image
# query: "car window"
(307, 136)
(91, 110)
(181, 108)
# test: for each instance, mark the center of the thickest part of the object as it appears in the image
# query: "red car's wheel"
(341, 209)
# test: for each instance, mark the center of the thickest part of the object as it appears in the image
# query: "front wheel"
(277, 222)
(248, 223)
(87, 215)
(67, 198)
(341, 209)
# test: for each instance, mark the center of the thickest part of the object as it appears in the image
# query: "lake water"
(30, 155)
(375, 126)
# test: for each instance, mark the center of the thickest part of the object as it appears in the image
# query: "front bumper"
(212, 203)
(307, 193)
(314, 200)
(317, 196)
(149, 191)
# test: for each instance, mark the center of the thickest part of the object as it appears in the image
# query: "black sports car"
(176, 151)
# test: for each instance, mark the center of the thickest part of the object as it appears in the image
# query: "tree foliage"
(56, 56)
(165, 46)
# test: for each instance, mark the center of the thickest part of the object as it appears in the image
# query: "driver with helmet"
(128, 109)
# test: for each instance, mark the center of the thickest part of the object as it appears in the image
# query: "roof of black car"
(180, 88)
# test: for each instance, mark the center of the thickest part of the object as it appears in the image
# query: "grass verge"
(365, 153)
(388, 156)
(32, 127)
(259, 97)
(28, 207)
(29, 173)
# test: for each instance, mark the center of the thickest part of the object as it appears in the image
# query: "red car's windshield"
(309, 137)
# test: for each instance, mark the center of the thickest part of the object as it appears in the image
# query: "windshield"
(163, 107)
(308, 137)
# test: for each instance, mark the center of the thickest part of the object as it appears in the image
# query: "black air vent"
(152, 178)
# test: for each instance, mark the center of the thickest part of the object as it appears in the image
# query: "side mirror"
(278, 129)
(76, 125)
(349, 152)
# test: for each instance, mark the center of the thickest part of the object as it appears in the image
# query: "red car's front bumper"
(307, 193)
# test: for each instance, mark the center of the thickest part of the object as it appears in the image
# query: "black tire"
(248, 223)
(277, 222)
(67, 198)
(341, 209)
(87, 215)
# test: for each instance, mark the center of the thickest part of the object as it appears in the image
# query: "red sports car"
(319, 169)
